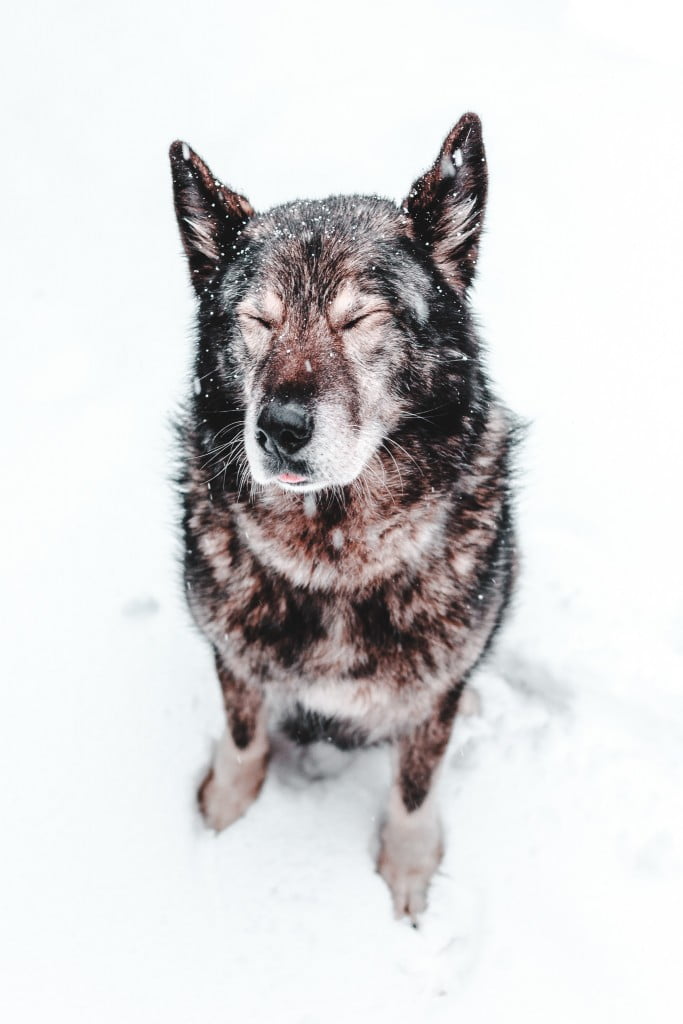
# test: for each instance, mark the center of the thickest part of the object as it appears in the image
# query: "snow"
(561, 893)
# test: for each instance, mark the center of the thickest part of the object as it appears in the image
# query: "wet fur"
(354, 614)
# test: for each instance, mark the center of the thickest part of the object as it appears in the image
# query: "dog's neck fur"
(393, 521)
(345, 543)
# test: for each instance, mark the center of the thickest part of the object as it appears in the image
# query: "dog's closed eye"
(350, 324)
(260, 321)
(369, 314)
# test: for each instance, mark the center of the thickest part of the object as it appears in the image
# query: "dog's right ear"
(210, 215)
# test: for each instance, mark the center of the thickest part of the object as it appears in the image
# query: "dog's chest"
(285, 597)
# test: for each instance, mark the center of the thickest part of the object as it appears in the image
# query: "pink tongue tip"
(291, 478)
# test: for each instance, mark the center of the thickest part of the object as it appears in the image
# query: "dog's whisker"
(216, 475)
(238, 425)
(225, 464)
(384, 483)
(407, 454)
(384, 447)
(242, 477)
(424, 415)
(216, 453)
(218, 447)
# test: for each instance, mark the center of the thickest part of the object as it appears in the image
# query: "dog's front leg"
(239, 765)
(411, 839)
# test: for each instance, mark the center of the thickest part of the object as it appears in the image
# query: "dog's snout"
(286, 425)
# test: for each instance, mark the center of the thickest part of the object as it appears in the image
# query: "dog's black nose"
(286, 425)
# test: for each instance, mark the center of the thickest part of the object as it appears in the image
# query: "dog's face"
(317, 316)
(322, 337)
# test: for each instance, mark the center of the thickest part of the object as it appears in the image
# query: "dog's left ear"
(446, 205)
(210, 215)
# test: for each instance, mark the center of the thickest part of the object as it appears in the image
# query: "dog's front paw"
(222, 802)
(231, 784)
(407, 861)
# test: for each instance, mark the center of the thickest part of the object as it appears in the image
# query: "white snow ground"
(561, 895)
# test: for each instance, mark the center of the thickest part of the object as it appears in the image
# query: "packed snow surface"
(561, 893)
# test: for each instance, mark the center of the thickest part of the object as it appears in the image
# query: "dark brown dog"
(348, 533)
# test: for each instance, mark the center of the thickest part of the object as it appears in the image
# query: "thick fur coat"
(349, 548)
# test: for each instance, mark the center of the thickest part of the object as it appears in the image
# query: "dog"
(346, 480)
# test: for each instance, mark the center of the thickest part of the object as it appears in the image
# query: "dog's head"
(326, 324)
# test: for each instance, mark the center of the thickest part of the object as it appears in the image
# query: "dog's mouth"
(290, 480)
(293, 479)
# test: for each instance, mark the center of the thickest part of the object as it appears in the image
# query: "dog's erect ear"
(446, 205)
(210, 215)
